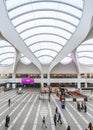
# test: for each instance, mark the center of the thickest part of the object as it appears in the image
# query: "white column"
(13, 86)
(42, 82)
(8, 85)
(86, 85)
(79, 82)
(48, 77)
(13, 75)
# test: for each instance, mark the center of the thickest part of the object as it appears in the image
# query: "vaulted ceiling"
(46, 32)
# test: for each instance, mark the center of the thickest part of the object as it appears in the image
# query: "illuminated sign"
(27, 80)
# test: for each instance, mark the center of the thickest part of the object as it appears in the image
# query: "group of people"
(57, 118)
(82, 106)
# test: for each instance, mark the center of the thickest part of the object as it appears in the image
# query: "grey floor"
(26, 111)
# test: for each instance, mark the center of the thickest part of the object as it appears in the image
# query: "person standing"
(85, 108)
(7, 121)
(9, 102)
(56, 110)
(44, 122)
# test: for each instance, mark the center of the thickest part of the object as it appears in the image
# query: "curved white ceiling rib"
(45, 37)
(45, 25)
(85, 53)
(7, 53)
(41, 52)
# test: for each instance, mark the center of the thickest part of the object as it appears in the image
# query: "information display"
(27, 80)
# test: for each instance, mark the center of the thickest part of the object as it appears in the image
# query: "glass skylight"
(38, 22)
(39, 53)
(45, 59)
(7, 52)
(86, 61)
(67, 59)
(45, 29)
(25, 60)
(45, 25)
(47, 45)
(45, 38)
(7, 61)
(85, 52)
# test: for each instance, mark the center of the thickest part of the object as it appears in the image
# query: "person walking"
(7, 121)
(85, 108)
(90, 126)
(68, 128)
(44, 122)
(56, 110)
(59, 119)
(55, 119)
(9, 102)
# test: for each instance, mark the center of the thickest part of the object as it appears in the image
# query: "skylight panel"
(39, 53)
(45, 29)
(82, 54)
(85, 48)
(41, 23)
(86, 61)
(76, 3)
(7, 61)
(6, 49)
(48, 45)
(25, 60)
(45, 59)
(45, 37)
(67, 59)
(4, 43)
(6, 55)
(85, 52)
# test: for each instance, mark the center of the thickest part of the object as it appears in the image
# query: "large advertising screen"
(27, 80)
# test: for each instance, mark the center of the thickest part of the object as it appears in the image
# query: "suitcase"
(63, 106)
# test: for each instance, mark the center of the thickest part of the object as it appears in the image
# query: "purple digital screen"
(27, 80)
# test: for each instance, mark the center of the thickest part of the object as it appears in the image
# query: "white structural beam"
(79, 35)
(75, 59)
(8, 31)
(16, 60)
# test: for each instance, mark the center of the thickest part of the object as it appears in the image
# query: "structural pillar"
(48, 78)
(8, 85)
(42, 82)
(86, 85)
(79, 82)
(13, 86)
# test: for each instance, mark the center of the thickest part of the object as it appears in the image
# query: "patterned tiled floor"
(26, 111)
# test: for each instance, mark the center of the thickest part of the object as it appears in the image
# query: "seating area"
(76, 94)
